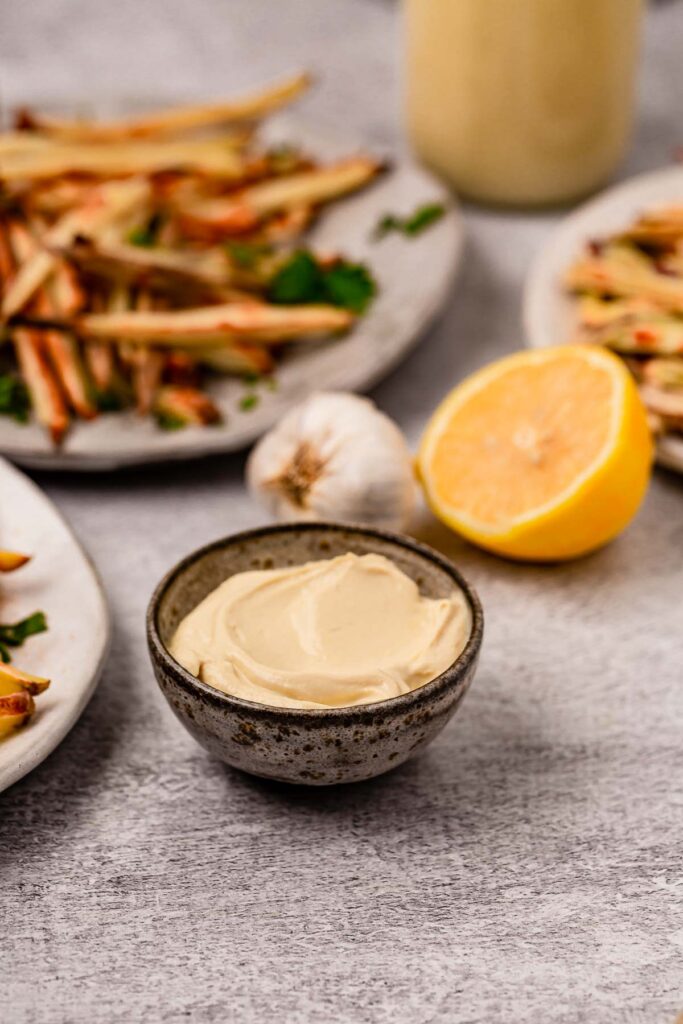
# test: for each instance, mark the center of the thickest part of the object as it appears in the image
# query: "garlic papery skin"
(335, 456)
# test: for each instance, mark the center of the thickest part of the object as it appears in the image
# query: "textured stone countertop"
(527, 868)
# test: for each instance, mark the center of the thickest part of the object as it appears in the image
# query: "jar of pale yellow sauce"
(521, 102)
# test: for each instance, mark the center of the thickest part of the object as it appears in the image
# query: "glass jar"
(521, 102)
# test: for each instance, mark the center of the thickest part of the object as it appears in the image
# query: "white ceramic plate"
(61, 582)
(414, 277)
(549, 312)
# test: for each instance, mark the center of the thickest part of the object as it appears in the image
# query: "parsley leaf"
(302, 279)
(389, 222)
(248, 402)
(424, 217)
(247, 254)
(410, 226)
(299, 280)
(168, 421)
(350, 286)
(14, 636)
(283, 158)
(14, 399)
(251, 377)
(109, 401)
(140, 236)
(145, 235)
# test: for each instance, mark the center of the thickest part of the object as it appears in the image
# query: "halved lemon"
(542, 456)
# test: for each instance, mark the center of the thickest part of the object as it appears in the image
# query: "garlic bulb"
(336, 456)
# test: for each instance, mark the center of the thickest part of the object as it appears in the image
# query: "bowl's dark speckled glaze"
(314, 747)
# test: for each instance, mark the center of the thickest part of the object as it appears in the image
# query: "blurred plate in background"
(549, 311)
(59, 581)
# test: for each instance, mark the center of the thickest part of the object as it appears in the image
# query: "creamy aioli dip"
(343, 631)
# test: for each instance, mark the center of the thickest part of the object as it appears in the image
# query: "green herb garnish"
(248, 402)
(14, 398)
(349, 285)
(146, 235)
(247, 254)
(251, 378)
(302, 279)
(16, 634)
(109, 401)
(283, 158)
(141, 237)
(297, 281)
(169, 421)
(410, 226)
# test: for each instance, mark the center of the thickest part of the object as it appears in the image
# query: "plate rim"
(42, 749)
(539, 279)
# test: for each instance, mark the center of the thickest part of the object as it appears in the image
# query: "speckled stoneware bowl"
(313, 746)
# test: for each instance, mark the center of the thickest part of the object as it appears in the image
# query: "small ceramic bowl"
(310, 746)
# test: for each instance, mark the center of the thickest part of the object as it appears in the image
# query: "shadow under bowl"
(307, 746)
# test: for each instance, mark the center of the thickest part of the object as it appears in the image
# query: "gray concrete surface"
(527, 869)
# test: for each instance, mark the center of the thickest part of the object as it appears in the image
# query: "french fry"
(105, 204)
(288, 226)
(312, 187)
(59, 296)
(17, 687)
(218, 157)
(185, 406)
(666, 374)
(643, 337)
(147, 365)
(20, 142)
(624, 272)
(99, 359)
(31, 684)
(214, 325)
(11, 560)
(120, 300)
(243, 212)
(174, 121)
(155, 267)
(181, 369)
(6, 257)
(46, 396)
(666, 404)
(19, 706)
(597, 312)
(67, 294)
(662, 227)
(66, 359)
(238, 357)
(54, 198)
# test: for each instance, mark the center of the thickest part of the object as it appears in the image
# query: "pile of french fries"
(630, 289)
(121, 255)
(17, 688)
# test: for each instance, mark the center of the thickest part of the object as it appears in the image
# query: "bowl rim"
(353, 712)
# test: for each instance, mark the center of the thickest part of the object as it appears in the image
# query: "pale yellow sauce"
(343, 631)
(521, 101)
